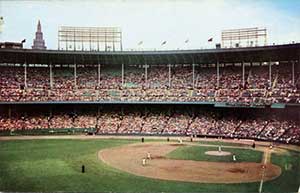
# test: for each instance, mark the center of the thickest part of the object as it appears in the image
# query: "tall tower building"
(38, 42)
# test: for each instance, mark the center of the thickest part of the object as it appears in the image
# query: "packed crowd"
(156, 87)
(205, 124)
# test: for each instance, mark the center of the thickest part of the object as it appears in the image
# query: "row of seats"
(157, 87)
(162, 124)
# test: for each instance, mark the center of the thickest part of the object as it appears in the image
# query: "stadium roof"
(285, 52)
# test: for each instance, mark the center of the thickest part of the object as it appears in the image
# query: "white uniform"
(180, 140)
(233, 157)
(144, 162)
(148, 155)
(220, 149)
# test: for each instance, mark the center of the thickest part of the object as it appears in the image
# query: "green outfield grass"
(198, 153)
(289, 180)
(55, 165)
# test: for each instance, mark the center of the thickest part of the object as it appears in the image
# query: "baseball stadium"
(90, 115)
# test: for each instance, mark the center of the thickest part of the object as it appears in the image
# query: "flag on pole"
(210, 39)
(23, 41)
(164, 42)
(140, 43)
(1, 23)
(186, 41)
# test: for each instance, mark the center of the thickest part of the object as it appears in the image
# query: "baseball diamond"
(150, 96)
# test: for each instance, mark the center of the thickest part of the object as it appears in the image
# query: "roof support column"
(146, 73)
(193, 75)
(270, 74)
(122, 74)
(218, 74)
(99, 74)
(169, 65)
(25, 74)
(293, 73)
(51, 76)
(243, 72)
(75, 75)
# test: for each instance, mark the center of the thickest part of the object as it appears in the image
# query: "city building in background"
(39, 42)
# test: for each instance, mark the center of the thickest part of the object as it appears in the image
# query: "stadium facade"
(250, 92)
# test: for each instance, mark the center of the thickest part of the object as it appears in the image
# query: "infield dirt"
(128, 158)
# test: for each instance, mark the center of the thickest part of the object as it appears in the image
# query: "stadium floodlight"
(247, 36)
(90, 38)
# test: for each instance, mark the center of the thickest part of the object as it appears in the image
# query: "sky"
(152, 21)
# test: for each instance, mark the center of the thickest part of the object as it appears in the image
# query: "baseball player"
(143, 162)
(180, 140)
(234, 157)
(148, 155)
(271, 146)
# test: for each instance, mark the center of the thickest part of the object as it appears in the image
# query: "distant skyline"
(153, 21)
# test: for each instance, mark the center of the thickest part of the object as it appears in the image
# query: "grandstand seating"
(257, 88)
(155, 87)
(163, 123)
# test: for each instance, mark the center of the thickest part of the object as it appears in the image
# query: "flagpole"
(1, 25)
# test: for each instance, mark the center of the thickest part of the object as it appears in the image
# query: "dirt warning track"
(129, 158)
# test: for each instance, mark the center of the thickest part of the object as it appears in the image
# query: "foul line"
(264, 161)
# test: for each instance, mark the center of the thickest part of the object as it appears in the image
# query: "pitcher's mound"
(218, 153)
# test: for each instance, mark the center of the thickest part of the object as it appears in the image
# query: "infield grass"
(217, 142)
(197, 153)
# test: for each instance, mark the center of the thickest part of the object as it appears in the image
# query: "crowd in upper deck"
(158, 85)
